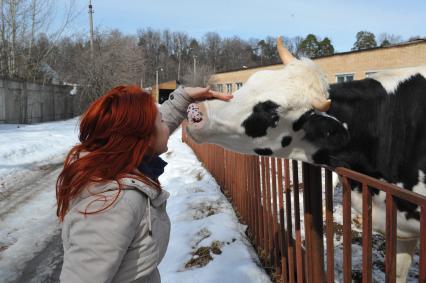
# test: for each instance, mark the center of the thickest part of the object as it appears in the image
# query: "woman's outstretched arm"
(173, 110)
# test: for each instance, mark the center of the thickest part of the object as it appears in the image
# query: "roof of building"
(411, 42)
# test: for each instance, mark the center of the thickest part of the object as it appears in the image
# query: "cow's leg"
(404, 256)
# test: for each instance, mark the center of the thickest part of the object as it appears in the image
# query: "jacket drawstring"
(149, 218)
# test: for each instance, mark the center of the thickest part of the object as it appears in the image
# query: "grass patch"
(199, 176)
(202, 256)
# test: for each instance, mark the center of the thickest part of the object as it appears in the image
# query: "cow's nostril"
(194, 113)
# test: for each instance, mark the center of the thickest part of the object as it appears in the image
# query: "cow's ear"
(326, 132)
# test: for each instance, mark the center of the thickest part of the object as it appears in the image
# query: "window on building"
(229, 87)
(239, 85)
(344, 78)
(219, 87)
(368, 74)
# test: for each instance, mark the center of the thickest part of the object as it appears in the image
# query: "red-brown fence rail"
(266, 194)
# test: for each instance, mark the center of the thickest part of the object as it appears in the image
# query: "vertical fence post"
(274, 211)
(259, 224)
(422, 250)
(264, 208)
(347, 232)
(299, 252)
(290, 242)
(313, 223)
(283, 250)
(269, 227)
(329, 225)
(390, 263)
(366, 234)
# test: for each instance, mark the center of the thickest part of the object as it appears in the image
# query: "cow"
(376, 126)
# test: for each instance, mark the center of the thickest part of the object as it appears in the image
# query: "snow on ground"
(203, 221)
(30, 161)
(27, 231)
(22, 145)
(202, 217)
(207, 243)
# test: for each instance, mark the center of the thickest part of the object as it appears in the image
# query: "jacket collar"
(156, 197)
(152, 167)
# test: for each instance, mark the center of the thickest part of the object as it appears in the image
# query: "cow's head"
(277, 113)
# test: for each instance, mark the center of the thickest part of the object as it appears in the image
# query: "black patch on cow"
(264, 115)
(263, 151)
(325, 132)
(322, 156)
(298, 124)
(387, 137)
(409, 208)
(285, 141)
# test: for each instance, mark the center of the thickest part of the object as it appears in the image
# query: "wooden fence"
(266, 194)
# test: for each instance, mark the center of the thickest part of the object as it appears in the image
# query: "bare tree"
(235, 54)
(180, 46)
(117, 59)
(22, 22)
(212, 47)
(4, 44)
(12, 16)
(200, 77)
(385, 39)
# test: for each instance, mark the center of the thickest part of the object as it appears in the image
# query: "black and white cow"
(376, 126)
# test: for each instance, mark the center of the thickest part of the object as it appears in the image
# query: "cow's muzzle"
(197, 115)
(197, 121)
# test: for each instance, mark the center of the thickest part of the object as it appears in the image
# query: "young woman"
(113, 211)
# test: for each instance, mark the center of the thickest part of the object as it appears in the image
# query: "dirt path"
(46, 266)
(20, 188)
(41, 260)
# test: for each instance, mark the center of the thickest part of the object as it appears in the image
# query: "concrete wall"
(26, 103)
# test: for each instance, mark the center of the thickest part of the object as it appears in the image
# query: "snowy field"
(207, 243)
(24, 145)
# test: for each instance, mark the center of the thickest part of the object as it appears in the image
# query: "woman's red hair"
(115, 133)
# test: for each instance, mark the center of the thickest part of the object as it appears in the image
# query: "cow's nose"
(196, 113)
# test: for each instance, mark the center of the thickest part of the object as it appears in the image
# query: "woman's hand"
(203, 93)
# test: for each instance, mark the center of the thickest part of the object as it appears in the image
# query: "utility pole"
(91, 27)
(179, 53)
(156, 83)
(195, 62)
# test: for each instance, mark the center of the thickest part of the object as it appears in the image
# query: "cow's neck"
(357, 104)
(381, 127)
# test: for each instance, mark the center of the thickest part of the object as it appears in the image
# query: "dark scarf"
(152, 167)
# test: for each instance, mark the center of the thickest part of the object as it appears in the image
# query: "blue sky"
(339, 20)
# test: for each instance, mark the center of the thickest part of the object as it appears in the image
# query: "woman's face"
(161, 135)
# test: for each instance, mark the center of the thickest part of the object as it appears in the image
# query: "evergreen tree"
(364, 40)
(385, 43)
(325, 47)
(309, 46)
